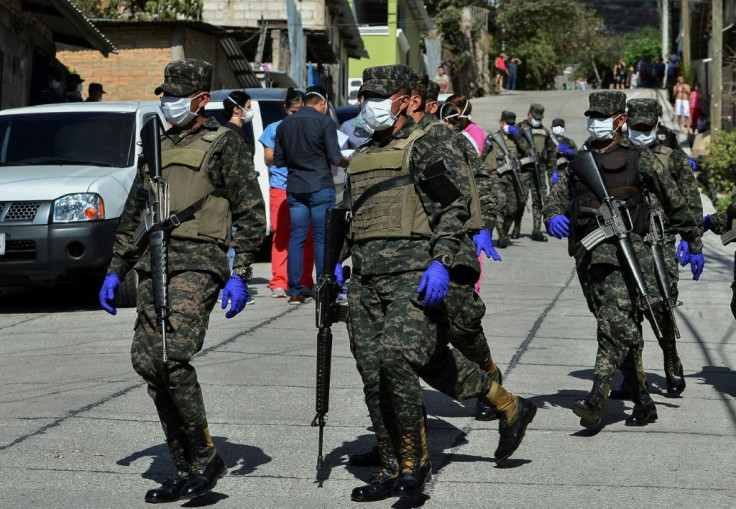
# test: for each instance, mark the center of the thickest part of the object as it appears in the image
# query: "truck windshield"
(96, 138)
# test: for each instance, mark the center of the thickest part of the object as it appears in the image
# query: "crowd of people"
(428, 188)
(68, 87)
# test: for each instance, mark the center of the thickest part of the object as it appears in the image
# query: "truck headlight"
(78, 207)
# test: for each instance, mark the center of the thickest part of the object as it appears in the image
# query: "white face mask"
(505, 128)
(558, 130)
(642, 138)
(248, 116)
(535, 122)
(80, 88)
(601, 128)
(377, 113)
(177, 110)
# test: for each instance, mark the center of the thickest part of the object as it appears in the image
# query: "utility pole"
(665, 29)
(716, 67)
(685, 10)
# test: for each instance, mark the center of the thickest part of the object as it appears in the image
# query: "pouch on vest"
(439, 186)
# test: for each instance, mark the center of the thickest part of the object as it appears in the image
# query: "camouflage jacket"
(653, 177)
(449, 237)
(488, 188)
(230, 169)
(546, 153)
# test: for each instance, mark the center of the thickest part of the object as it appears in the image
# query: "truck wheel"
(128, 291)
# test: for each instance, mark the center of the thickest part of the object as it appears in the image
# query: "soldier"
(509, 196)
(408, 241)
(604, 278)
(565, 148)
(642, 119)
(207, 167)
(546, 150)
(721, 223)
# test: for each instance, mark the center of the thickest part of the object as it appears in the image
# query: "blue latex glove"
(697, 263)
(107, 293)
(235, 293)
(559, 226)
(339, 275)
(683, 253)
(434, 284)
(513, 131)
(707, 223)
(566, 150)
(693, 163)
(555, 177)
(483, 241)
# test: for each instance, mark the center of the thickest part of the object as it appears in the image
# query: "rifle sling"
(379, 188)
(188, 213)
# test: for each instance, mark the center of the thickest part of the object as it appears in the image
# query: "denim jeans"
(303, 209)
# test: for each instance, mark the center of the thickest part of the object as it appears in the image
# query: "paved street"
(77, 428)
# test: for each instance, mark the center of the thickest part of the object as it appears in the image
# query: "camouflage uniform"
(722, 223)
(609, 291)
(196, 269)
(395, 338)
(645, 112)
(507, 202)
(563, 161)
(546, 150)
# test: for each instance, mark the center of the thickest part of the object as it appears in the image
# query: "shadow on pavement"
(61, 298)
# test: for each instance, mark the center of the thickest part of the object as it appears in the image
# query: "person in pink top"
(696, 106)
(501, 71)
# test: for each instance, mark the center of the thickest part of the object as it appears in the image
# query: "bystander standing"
(94, 93)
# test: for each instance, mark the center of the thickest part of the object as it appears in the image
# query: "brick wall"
(144, 51)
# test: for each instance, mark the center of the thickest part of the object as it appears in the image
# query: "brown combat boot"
(379, 486)
(590, 409)
(484, 409)
(415, 468)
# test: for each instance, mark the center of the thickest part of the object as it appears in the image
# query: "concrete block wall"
(248, 13)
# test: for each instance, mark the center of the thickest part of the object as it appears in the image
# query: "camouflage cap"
(419, 82)
(607, 102)
(433, 90)
(182, 77)
(537, 111)
(558, 122)
(385, 80)
(642, 111)
(508, 116)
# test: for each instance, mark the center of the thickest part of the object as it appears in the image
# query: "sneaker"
(251, 300)
(295, 300)
(278, 293)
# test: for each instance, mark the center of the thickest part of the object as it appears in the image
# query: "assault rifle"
(655, 238)
(611, 225)
(534, 156)
(328, 312)
(155, 222)
(511, 165)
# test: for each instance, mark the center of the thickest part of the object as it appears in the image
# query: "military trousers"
(662, 315)
(508, 204)
(395, 339)
(174, 387)
(528, 178)
(612, 298)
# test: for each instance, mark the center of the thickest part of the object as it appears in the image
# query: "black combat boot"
(370, 458)
(590, 409)
(516, 232)
(537, 234)
(512, 433)
(381, 484)
(644, 410)
(485, 410)
(673, 371)
(170, 490)
(207, 466)
(415, 469)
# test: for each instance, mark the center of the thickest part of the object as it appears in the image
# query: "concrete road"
(77, 428)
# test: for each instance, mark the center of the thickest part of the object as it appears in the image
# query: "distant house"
(144, 49)
(30, 32)
(391, 31)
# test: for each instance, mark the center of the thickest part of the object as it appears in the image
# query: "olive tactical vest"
(185, 170)
(620, 174)
(396, 212)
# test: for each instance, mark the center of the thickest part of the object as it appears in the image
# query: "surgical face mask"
(458, 115)
(377, 113)
(505, 128)
(55, 85)
(177, 110)
(248, 116)
(642, 138)
(558, 130)
(535, 122)
(601, 128)
(80, 88)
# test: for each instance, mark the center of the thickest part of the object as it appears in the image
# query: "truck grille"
(22, 211)
(19, 250)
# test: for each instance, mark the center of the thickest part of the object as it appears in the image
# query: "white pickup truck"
(65, 172)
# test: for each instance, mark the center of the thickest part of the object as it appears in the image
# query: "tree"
(141, 9)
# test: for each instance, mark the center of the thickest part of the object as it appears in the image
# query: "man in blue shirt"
(306, 144)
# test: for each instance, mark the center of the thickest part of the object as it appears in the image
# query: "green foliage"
(722, 203)
(538, 57)
(645, 42)
(721, 160)
(141, 9)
